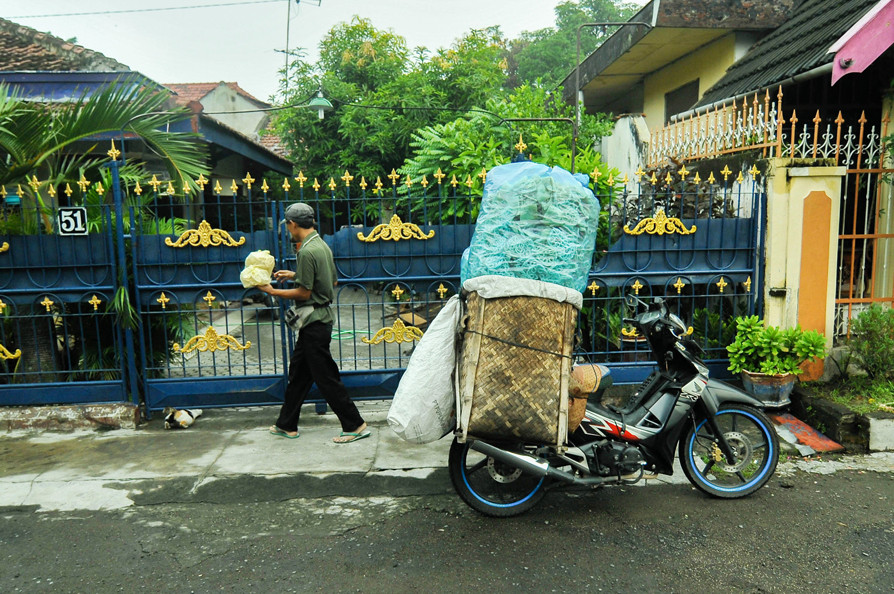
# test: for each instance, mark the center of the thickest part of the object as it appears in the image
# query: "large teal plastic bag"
(535, 222)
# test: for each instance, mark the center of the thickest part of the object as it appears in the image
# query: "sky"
(244, 43)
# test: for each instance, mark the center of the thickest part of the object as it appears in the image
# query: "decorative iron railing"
(865, 265)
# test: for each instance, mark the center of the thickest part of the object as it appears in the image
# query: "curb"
(873, 432)
(70, 417)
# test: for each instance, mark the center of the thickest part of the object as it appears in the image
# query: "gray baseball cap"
(300, 213)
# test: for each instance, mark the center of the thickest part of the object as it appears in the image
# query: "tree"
(483, 138)
(390, 101)
(382, 95)
(550, 53)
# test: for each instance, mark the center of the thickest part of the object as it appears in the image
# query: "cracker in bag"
(258, 269)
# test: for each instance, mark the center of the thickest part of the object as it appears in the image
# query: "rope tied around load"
(519, 345)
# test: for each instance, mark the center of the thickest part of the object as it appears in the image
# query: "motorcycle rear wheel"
(753, 439)
(491, 487)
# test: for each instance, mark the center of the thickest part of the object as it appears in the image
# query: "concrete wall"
(225, 99)
(803, 204)
(229, 169)
(628, 144)
(707, 64)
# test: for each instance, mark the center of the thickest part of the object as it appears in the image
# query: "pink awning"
(865, 41)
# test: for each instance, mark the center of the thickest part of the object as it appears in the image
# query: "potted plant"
(769, 359)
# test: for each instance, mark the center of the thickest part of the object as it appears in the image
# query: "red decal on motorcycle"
(621, 432)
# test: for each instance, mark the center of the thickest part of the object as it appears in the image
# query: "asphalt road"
(804, 532)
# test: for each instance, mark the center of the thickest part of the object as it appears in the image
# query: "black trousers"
(312, 363)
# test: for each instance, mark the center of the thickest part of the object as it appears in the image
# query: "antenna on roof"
(288, 24)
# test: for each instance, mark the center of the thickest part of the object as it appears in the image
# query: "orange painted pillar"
(803, 205)
(814, 278)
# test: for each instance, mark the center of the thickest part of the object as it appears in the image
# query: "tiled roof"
(26, 49)
(271, 141)
(797, 46)
(187, 92)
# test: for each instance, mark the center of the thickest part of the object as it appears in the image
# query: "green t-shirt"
(315, 271)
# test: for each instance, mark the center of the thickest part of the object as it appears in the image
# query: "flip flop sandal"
(280, 433)
(351, 437)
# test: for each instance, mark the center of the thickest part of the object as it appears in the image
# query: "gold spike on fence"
(755, 123)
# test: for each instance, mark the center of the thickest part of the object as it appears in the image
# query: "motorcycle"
(727, 447)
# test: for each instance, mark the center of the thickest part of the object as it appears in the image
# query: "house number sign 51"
(71, 220)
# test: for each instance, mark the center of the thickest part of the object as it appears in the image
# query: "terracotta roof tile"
(187, 92)
(24, 48)
(271, 141)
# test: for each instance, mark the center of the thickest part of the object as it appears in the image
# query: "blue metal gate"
(147, 306)
(204, 340)
(59, 273)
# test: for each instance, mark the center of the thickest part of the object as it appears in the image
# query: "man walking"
(311, 362)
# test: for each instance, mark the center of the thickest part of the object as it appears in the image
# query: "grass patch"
(860, 394)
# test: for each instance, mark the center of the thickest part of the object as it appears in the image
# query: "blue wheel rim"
(771, 451)
(491, 503)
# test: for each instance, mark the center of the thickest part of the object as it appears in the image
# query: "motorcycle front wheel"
(491, 487)
(753, 440)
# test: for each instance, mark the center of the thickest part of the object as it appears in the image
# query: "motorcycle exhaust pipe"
(530, 464)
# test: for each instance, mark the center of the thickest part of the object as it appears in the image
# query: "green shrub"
(769, 350)
(872, 341)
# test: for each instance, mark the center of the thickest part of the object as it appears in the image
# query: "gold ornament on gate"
(660, 224)
(6, 355)
(395, 230)
(204, 236)
(211, 341)
(114, 153)
(399, 332)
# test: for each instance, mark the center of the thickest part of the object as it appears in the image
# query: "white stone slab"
(881, 435)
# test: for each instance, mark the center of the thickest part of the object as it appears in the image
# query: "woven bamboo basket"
(584, 381)
(514, 369)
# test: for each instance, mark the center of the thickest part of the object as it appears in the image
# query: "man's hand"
(265, 289)
(282, 275)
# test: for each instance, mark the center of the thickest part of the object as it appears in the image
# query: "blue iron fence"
(197, 338)
(696, 245)
(206, 341)
(397, 250)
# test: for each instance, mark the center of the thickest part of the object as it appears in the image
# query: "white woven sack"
(424, 405)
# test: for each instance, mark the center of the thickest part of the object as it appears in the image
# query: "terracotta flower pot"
(773, 390)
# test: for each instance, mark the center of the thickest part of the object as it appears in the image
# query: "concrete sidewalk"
(227, 455)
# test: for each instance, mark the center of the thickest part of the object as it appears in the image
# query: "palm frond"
(34, 137)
